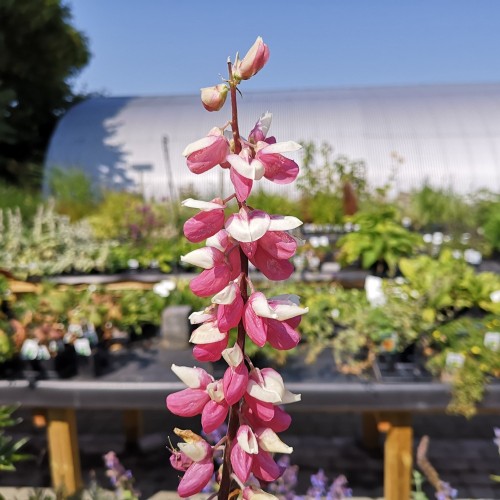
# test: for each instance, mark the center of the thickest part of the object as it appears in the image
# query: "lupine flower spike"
(249, 398)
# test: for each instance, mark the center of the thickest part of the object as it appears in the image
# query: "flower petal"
(247, 440)
(229, 316)
(261, 410)
(261, 128)
(207, 333)
(248, 168)
(211, 281)
(265, 468)
(278, 244)
(210, 352)
(242, 185)
(284, 223)
(233, 355)
(255, 326)
(213, 416)
(269, 441)
(241, 462)
(281, 147)
(272, 268)
(194, 378)
(205, 257)
(235, 383)
(248, 226)
(202, 205)
(227, 295)
(188, 402)
(279, 169)
(261, 306)
(198, 145)
(203, 225)
(196, 478)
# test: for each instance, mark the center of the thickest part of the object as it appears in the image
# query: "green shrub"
(492, 227)
(380, 241)
(73, 192)
(26, 200)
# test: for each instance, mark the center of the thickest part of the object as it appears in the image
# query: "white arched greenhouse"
(448, 135)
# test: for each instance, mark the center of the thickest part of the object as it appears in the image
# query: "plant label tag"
(29, 349)
(374, 291)
(82, 347)
(43, 353)
(75, 329)
(492, 341)
(454, 360)
(390, 343)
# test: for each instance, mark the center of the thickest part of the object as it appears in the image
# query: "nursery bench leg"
(370, 433)
(63, 450)
(398, 456)
(132, 423)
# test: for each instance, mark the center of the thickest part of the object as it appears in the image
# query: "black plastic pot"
(62, 365)
(95, 365)
(11, 369)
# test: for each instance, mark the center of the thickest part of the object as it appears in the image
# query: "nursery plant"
(248, 397)
(322, 180)
(379, 241)
(50, 245)
(466, 352)
(9, 448)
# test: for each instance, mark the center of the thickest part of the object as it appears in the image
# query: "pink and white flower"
(221, 262)
(213, 98)
(267, 386)
(276, 418)
(273, 320)
(199, 473)
(229, 310)
(263, 239)
(278, 168)
(267, 161)
(203, 396)
(254, 397)
(207, 222)
(206, 153)
(235, 379)
(209, 340)
(261, 128)
(252, 453)
(253, 62)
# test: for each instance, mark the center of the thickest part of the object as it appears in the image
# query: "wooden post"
(370, 434)
(63, 450)
(398, 456)
(132, 423)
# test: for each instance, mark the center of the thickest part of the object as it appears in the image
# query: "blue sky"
(155, 47)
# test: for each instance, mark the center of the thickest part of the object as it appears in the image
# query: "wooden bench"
(386, 407)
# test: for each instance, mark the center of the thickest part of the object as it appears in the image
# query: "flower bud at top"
(253, 62)
(213, 98)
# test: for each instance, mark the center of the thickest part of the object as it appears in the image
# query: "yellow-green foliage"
(465, 336)
(125, 215)
(380, 238)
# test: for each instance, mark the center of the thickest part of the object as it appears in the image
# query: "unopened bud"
(253, 62)
(213, 98)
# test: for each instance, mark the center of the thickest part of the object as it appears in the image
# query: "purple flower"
(496, 430)
(285, 485)
(318, 485)
(446, 491)
(121, 478)
(339, 490)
